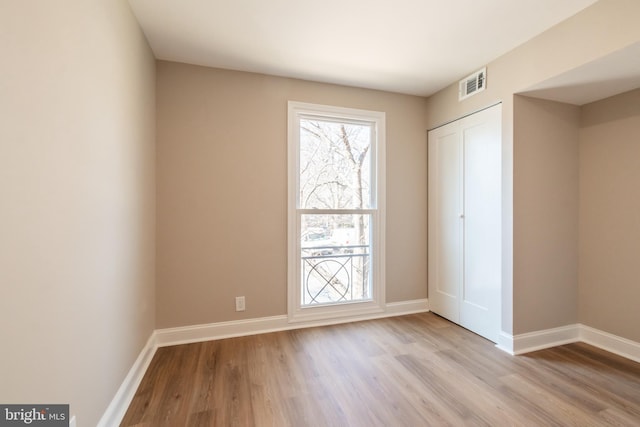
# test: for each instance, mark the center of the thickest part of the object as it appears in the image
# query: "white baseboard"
(538, 340)
(220, 330)
(403, 308)
(121, 401)
(505, 343)
(261, 325)
(611, 343)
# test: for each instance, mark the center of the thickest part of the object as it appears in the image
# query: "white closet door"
(480, 296)
(465, 282)
(445, 225)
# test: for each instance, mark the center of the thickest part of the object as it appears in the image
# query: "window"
(336, 212)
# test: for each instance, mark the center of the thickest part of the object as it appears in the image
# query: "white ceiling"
(407, 46)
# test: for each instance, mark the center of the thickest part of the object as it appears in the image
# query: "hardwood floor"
(417, 370)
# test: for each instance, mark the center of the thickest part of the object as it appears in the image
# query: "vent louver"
(472, 84)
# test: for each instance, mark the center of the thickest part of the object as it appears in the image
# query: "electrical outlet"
(239, 303)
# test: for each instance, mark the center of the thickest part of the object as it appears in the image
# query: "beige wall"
(222, 190)
(601, 29)
(77, 206)
(545, 211)
(610, 215)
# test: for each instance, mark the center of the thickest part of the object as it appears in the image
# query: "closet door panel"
(480, 296)
(445, 227)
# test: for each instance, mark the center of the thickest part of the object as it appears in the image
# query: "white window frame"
(296, 312)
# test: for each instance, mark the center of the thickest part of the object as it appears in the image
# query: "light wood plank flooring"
(417, 370)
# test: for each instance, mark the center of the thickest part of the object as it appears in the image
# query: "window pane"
(335, 258)
(335, 165)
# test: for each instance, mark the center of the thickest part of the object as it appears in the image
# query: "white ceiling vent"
(472, 84)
